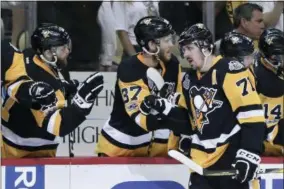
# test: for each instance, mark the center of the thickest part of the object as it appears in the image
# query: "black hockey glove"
(185, 144)
(88, 92)
(166, 92)
(70, 87)
(43, 96)
(155, 105)
(246, 163)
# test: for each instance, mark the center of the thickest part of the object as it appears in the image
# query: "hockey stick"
(202, 171)
(71, 143)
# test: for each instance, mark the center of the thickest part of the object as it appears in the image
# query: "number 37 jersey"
(225, 111)
(126, 133)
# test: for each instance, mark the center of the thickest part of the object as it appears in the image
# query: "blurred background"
(102, 31)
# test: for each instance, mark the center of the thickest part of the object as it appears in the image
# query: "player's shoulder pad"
(174, 59)
(131, 69)
(228, 65)
(7, 55)
(173, 63)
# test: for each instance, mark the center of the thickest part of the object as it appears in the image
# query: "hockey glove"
(87, 92)
(185, 144)
(43, 96)
(247, 164)
(166, 92)
(155, 105)
(70, 87)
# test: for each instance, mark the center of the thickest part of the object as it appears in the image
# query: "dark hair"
(245, 11)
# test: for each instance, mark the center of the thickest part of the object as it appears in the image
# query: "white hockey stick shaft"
(202, 171)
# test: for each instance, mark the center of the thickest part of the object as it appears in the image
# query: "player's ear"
(152, 46)
(48, 54)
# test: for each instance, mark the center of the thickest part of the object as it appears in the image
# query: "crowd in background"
(102, 31)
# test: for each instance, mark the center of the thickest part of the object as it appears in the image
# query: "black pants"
(197, 181)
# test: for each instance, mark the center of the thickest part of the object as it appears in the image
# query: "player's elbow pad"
(72, 118)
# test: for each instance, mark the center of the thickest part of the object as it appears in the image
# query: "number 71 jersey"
(225, 110)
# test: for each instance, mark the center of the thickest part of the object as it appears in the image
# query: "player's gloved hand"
(153, 104)
(70, 87)
(43, 96)
(166, 92)
(246, 163)
(185, 144)
(88, 91)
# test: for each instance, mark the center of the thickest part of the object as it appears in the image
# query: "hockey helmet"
(151, 28)
(48, 35)
(235, 44)
(271, 47)
(197, 34)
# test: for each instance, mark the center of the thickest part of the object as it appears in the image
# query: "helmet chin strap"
(52, 63)
(150, 53)
(206, 55)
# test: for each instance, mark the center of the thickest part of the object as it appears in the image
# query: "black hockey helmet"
(198, 34)
(151, 28)
(271, 47)
(235, 44)
(48, 35)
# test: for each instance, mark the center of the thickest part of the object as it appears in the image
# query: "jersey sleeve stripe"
(12, 89)
(215, 142)
(248, 108)
(271, 135)
(54, 123)
(250, 114)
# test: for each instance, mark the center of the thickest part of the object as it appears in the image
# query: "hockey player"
(21, 83)
(128, 130)
(271, 48)
(269, 71)
(35, 131)
(225, 112)
(238, 46)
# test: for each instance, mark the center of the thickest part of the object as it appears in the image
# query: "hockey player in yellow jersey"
(21, 83)
(269, 71)
(129, 132)
(269, 82)
(34, 130)
(227, 119)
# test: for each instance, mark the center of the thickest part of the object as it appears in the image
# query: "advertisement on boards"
(107, 176)
(22, 177)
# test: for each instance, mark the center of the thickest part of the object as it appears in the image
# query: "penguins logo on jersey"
(203, 103)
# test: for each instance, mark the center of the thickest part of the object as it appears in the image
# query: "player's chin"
(167, 56)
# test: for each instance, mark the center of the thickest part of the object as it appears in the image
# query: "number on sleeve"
(244, 83)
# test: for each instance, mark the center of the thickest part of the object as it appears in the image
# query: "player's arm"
(275, 146)
(135, 97)
(245, 102)
(61, 122)
(17, 84)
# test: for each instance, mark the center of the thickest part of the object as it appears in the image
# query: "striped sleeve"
(63, 121)
(239, 88)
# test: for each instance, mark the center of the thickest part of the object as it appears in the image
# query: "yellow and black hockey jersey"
(128, 132)
(28, 132)
(271, 93)
(225, 113)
